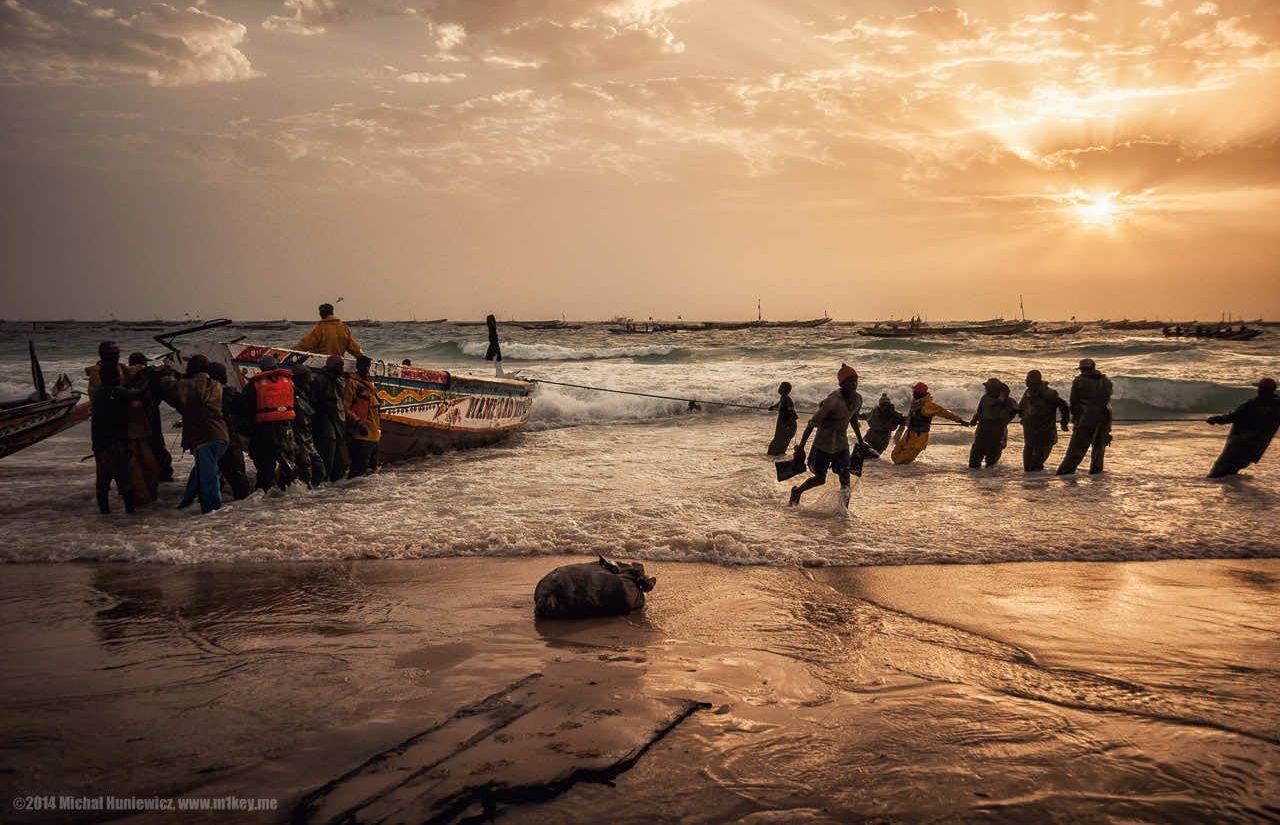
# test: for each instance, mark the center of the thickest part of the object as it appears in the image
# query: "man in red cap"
(1253, 425)
(913, 435)
(831, 447)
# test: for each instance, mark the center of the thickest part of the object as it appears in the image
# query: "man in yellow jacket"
(364, 428)
(330, 336)
(913, 435)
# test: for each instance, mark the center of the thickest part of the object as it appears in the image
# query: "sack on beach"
(599, 588)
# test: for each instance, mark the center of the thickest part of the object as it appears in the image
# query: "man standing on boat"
(329, 337)
(364, 429)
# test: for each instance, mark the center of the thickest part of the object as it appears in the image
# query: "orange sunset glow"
(641, 157)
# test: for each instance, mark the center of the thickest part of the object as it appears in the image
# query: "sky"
(645, 158)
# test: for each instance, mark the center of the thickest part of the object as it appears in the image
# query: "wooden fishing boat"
(28, 421)
(810, 324)
(423, 411)
(1069, 329)
(1011, 328)
(25, 423)
(1133, 325)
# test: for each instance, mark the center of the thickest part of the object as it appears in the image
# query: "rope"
(758, 408)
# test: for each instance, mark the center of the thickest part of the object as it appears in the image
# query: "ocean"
(646, 478)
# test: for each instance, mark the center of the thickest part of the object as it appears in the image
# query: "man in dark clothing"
(883, 419)
(785, 428)
(995, 411)
(364, 422)
(110, 433)
(831, 447)
(231, 465)
(148, 380)
(271, 436)
(1253, 425)
(330, 430)
(199, 399)
(310, 466)
(1039, 406)
(1091, 419)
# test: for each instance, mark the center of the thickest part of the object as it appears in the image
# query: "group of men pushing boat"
(1087, 415)
(296, 424)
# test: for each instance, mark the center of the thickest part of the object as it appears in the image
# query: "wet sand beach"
(424, 690)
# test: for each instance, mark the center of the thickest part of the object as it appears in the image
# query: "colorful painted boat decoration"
(31, 420)
(423, 411)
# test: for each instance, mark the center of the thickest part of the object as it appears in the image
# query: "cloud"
(69, 41)
(431, 77)
(562, 38)
(315, 16)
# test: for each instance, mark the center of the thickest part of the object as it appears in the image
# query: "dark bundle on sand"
(599, 588)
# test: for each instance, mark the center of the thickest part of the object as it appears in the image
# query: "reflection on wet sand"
(1141, 691)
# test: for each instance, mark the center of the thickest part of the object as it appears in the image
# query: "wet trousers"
(1035, 451)
(1090, 438)
(782, 435)
(909, 446)
(988, 446)
(364, 456)
(333, 452)
(204, 483)
(113, 465)
(271, 448)
(231, 465)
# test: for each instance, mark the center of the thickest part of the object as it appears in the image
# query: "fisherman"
(913, 434)
(883, 419)
(328, 396)
(310, 466)
(1037, 408)
(199, 399)
(1253, 425)
(995, 411)
(364, 428)
(144, 472)
(831, 447)
(329, 337)
(231, 464)
(270, 396)
(108, 360)
(147, 378)
(109, 428)
(1090, 417)
(785, 428)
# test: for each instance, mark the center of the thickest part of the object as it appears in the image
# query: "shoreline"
(1015, 690)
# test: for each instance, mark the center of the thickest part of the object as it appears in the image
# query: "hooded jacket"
(360, 393)
(1091, 399)
(330, 337)
(199, 399)
(923, 409)
(1253, 425)
(1038, 405)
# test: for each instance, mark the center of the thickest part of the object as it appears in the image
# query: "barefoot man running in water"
(831, 447)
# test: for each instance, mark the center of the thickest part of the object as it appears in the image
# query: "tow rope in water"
(758, 408)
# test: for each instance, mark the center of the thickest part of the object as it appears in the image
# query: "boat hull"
(422, 411)
(27, 424)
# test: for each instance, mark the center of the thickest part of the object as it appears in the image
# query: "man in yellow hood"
(330, 336)
(912, 442)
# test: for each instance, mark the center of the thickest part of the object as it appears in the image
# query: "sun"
(1097, 210)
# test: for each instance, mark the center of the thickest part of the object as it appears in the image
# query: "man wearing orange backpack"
(270, 396)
